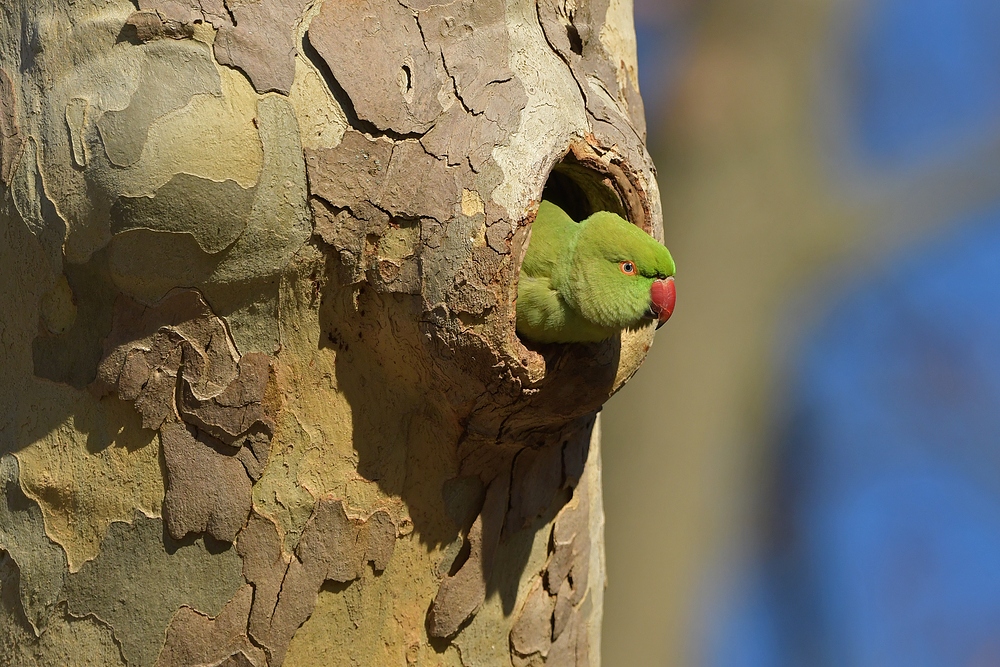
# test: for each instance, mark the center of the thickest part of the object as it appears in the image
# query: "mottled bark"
(263, 400)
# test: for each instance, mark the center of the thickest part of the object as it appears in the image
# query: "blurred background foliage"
(806, 471)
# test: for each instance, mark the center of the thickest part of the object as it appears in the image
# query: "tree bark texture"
(263, 401)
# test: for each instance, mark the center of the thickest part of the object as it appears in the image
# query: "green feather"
(571, 287)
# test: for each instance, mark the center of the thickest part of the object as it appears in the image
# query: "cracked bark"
(263, 379)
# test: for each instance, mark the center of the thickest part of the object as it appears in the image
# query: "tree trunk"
(263, 400)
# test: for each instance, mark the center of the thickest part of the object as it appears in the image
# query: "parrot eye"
(628, 268)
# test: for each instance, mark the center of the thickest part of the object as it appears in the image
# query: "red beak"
(663, 295)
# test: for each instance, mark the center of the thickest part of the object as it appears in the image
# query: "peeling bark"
(196, 639)
(263, 375)
(11, 141)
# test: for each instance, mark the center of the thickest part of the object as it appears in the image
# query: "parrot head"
(620, 275)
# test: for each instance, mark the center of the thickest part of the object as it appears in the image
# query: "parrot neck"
(563, 272)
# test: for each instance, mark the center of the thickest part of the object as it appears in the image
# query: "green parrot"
(586, 281)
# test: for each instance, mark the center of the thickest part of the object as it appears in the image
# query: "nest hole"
(581, 191)
(581, 183)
